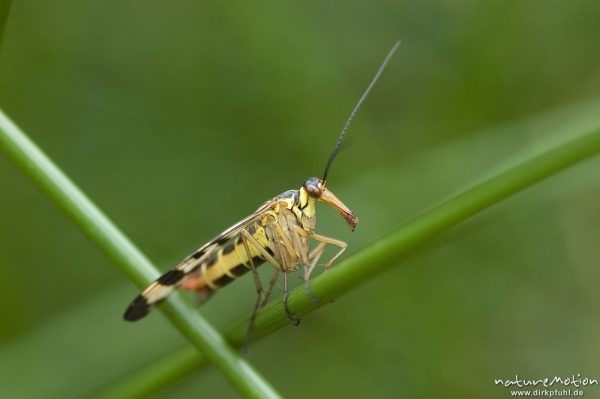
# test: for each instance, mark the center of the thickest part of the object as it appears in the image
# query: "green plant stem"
(130, 259)
(155, 377)
(383, 253)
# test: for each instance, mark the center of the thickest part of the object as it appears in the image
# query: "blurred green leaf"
(4, 11)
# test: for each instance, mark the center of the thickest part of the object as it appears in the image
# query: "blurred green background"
(179, 118)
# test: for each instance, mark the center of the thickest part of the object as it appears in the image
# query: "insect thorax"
(301, 205)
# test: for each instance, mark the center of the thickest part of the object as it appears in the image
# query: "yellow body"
(290, 210)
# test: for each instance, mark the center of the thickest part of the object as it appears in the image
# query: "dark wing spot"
(197, 255)
(269, 251)
(287, 194)
(228, 248)
(137, 309)
(171, 277)
(213, 259)
(221, 240)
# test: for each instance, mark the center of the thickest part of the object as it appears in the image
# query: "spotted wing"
(168, 282)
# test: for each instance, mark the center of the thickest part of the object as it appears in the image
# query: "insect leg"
(279, 234)
(291, 249)
(298, 244)
(269, 258)
(315, 255)
(270, 288)
(328, 240)
(297, 235)
(259, 290)
(317, 251)
(286, 292)
(248, 238)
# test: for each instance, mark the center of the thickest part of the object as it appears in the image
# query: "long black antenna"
(365, 94)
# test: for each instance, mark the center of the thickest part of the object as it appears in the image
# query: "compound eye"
(313, 190)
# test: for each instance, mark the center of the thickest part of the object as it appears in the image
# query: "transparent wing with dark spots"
(168, 282)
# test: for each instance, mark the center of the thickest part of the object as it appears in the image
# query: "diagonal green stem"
(156, 376)
(130, 259)
(381, 254)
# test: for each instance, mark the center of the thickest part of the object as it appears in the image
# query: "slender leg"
(315, 255)
(290, 248)
(248, 239)
(283, 268)
(316, 251)
(260, 249)
(328, 240)
(252, 267)
(299, 245)
(267, 293)
(269, 259)
(279, 234)
(297, 238)
(289, 314)
(259, 291)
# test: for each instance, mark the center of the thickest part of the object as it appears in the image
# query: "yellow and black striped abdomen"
(228, 260)
(232, 261)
